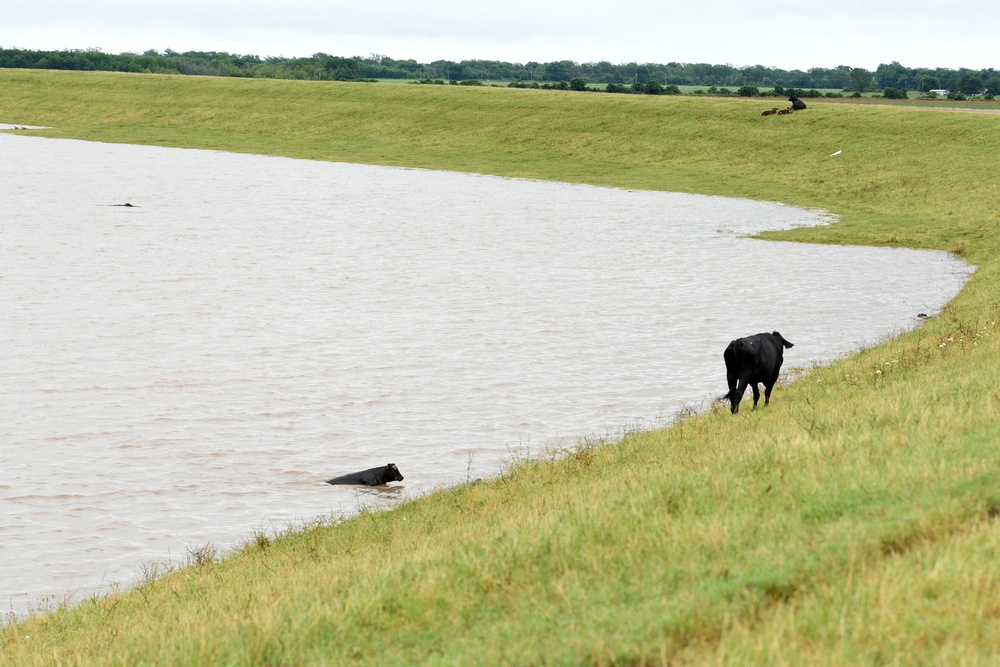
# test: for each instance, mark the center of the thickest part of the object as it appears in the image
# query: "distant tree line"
(844, 78)
(627, 77)
(205, 63)
(963, 81)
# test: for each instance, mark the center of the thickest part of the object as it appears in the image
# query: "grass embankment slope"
(852, 522)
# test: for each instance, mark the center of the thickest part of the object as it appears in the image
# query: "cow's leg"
(732, 375)
(768, 386)
(734, 401)
(756, 395)
(741, 388)
(734, 398)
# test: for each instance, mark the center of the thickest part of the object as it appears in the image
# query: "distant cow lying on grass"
(370, 477)
(769, 112)
(751, 360)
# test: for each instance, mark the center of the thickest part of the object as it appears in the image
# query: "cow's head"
(781, 338)
(734, 402)
(394, 474)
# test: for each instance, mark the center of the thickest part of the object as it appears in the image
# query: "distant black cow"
(797, 104)
(751, 360)
(371, 477)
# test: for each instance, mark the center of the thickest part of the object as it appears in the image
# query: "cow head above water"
(393, 473)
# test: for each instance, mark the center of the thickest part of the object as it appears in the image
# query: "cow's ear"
(786, 343)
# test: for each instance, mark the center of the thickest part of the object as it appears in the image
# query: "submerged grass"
(854, 521)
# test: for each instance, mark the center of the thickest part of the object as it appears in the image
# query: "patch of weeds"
(584, 454)
(152, 572)
(261, 540)
(896, 545)
(884, 366)
(993, 508)
(779, 591)
(687, 412)
(907, 538)
(967, 335)
(203, 555)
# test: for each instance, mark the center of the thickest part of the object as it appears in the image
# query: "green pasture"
(855, 521)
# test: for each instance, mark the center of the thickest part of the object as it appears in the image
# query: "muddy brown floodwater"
(187, 370)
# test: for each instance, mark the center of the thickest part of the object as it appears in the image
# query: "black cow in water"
(751, 360)
(371, 477)
(797, 104)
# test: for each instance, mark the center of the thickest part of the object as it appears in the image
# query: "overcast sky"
(797, 34)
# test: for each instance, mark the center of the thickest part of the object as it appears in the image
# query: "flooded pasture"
(188, 369)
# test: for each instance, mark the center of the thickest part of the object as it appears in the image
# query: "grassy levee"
(854, 521)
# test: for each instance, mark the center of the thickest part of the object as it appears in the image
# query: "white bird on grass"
(835, 154)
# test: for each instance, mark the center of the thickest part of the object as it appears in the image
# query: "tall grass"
(854, 521)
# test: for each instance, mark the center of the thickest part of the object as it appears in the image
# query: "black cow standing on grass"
(751, 360)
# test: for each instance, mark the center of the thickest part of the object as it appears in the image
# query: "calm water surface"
(188, 370)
